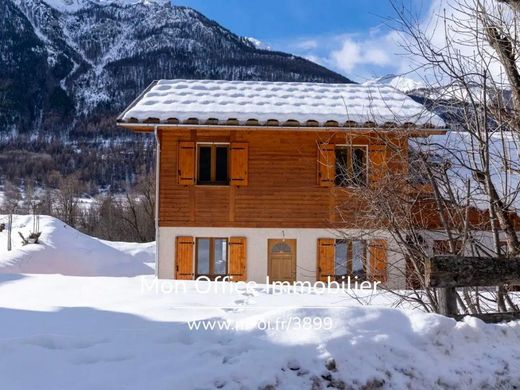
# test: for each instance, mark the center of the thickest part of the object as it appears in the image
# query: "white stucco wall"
(306, 249)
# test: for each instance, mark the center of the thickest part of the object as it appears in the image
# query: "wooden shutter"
(184, 258)
(378, 258)
(186, 164)
(377, 167)
(326, 165)
(237, 259)
(239, 164)
(326, 252)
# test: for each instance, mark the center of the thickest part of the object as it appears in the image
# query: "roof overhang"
(411, 132)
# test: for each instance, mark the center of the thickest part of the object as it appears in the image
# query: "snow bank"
(62, 332)
(64, 250)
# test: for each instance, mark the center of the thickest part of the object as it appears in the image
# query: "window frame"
(211, 274)
(351, 154)
(213, 163)
(349, 261)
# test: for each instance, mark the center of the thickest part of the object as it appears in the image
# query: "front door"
(282, 260)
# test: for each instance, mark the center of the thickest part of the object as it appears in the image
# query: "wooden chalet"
(250, 174)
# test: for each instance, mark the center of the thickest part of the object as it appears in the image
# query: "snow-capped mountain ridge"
(94, 56)
(72, 6)
(399, 82)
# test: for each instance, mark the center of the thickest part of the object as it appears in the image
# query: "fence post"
(447, 299)
(9, 229)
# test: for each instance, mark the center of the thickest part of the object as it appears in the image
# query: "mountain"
(74, 64)
(399, 82)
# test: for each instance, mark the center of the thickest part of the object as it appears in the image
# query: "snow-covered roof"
(277, 103)
(460, 150)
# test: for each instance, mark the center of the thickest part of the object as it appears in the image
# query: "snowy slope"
(64, 250)
(61, 332)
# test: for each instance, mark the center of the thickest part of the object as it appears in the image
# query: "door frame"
(292, 242)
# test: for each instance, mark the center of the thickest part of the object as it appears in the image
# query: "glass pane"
(341, 166)
(340, 261)
(281, 247)
(222, 164)
(220, 256)
(358, 257)
(204, 164)
(203, 256)
(359, 166)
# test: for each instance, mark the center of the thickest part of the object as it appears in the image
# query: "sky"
(351, 37)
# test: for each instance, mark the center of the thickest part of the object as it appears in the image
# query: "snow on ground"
(112, 331)
(64, 250)
(64, 332)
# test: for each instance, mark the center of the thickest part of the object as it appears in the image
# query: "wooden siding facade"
(282, 184)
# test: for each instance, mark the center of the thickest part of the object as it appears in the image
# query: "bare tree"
(67, 199)
(124, 217)
(12, 198)
(139, 208)
(459, 192)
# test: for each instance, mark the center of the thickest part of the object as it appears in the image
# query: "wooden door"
(282, 260)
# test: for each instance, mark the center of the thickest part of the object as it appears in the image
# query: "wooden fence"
(446, 273)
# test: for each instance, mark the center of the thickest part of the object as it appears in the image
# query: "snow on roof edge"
(221, 102)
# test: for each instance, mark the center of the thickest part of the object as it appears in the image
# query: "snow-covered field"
(64, 250)
(64, 332)
(121, 332)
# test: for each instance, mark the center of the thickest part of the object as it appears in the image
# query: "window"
(350, 258)
(212, 164)
(351, 166)
(211, 257)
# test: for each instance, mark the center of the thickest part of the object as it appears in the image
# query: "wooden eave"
(150, 126)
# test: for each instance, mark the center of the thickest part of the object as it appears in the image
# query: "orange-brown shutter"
(237, 259)
(184, 258)
(239, 164)
(326, 165)
(378, 260)
(325, 258)
(378, 167)
(186, 168)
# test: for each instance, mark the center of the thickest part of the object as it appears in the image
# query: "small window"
(211, 257)
(213, 163)
(351, 166)
(350, 258)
